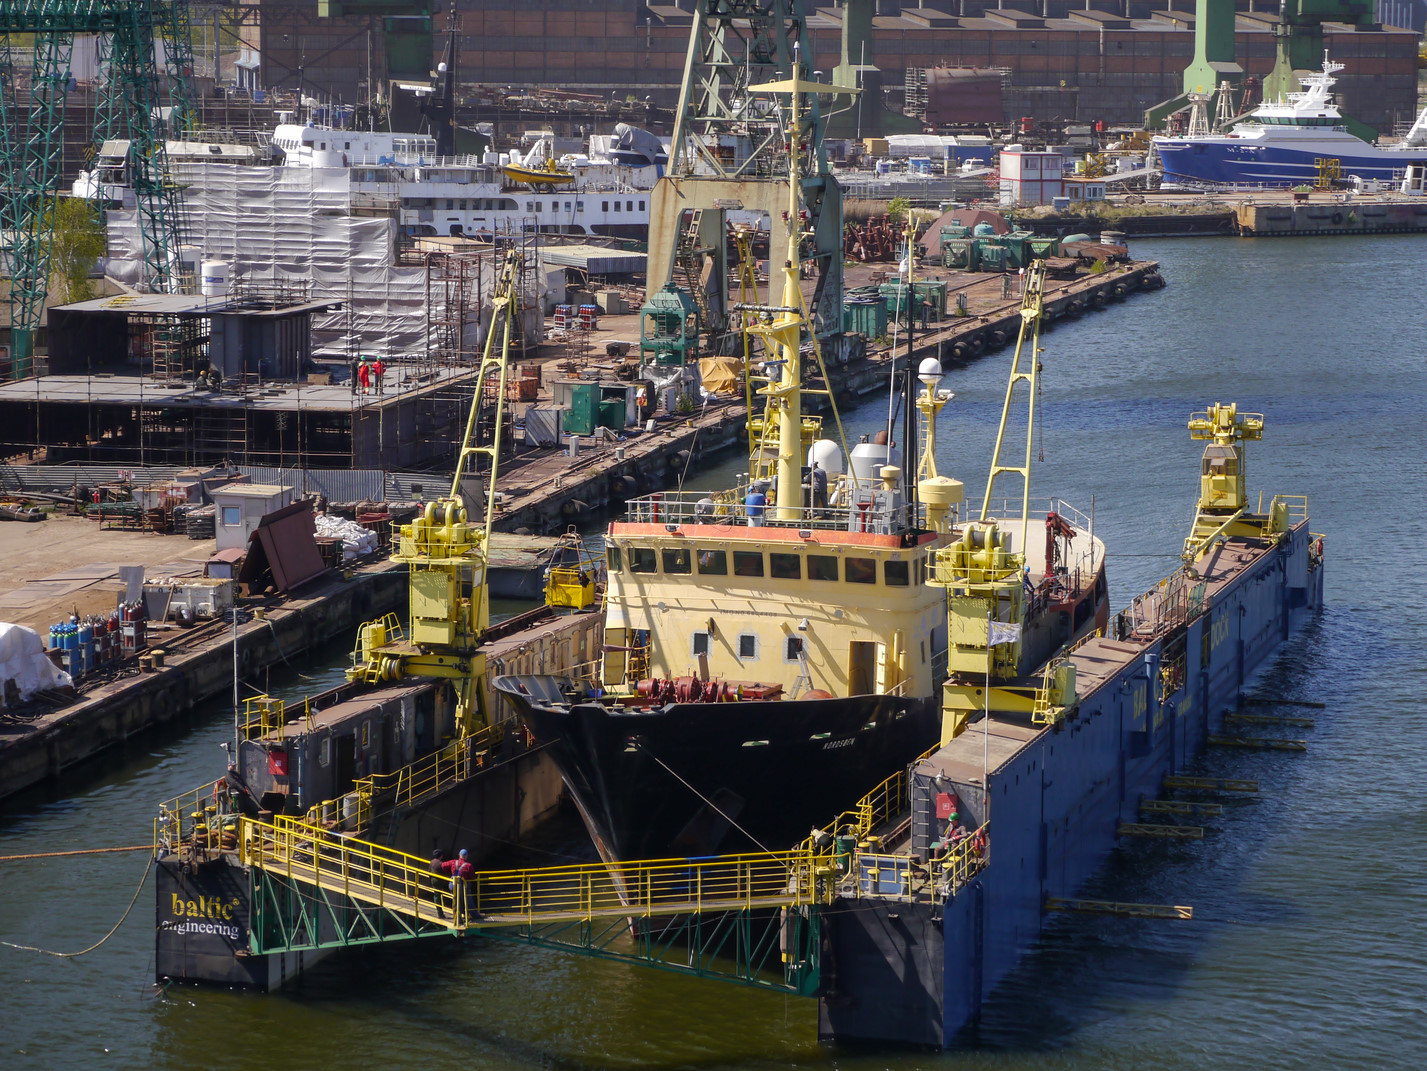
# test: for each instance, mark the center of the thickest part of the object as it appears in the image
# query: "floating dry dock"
(912, 959)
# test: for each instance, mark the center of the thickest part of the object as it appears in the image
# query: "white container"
(215, 276)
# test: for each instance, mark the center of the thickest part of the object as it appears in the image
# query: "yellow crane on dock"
(446, 552)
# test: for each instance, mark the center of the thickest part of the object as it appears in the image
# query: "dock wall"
(1337, 217)
(114, 712)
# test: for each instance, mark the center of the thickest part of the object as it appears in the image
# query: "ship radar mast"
(782, 331)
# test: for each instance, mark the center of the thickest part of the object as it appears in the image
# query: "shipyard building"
(1105, 60)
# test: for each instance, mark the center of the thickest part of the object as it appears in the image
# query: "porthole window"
(748, 646)
(793, 649)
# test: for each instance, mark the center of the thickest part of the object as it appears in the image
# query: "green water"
(1307, 947)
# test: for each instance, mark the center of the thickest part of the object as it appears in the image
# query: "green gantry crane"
(129, 107)
(1298, 46)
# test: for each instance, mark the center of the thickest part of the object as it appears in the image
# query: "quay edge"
(602, 484)
(112, 713)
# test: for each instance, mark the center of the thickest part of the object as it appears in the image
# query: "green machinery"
(1298, 46)
(669, 328)
(129, 108)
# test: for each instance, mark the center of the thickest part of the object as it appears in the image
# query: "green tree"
(897, 208)
(78, 245)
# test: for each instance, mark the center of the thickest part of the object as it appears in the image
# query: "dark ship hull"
(694, 779)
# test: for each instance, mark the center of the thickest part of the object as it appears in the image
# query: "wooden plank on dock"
(1288, 721)
(1122, 910)
(1211, 784)
(1144, 829)
(1185, 807)
(1260, 743)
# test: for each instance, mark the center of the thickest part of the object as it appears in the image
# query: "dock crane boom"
(446, 552)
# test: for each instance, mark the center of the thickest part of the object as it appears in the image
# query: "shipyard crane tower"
(445, 552)
(730, 152)
(129, 108)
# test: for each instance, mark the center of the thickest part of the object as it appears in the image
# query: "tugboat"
(773, 652)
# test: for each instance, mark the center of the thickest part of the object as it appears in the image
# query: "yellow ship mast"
(783, 336)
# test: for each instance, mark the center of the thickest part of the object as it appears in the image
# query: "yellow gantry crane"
(445, 551)
(987, 597)
(1223, 488)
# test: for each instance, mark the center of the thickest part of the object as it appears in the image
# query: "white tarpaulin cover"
(291, 225)
(22, 660)
(356, 540)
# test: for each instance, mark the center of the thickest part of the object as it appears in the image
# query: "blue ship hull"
(1222, 162)
(918, 973)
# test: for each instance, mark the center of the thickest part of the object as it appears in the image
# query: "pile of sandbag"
(357, 542)
(23, 660)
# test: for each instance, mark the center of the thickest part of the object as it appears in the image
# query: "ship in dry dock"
(768, 662)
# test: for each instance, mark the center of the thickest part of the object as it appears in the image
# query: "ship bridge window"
(616, 206)
(861, 571)
(747, 563)
(677, 561)
(604, 206)
(785, 566)
(822, 567)
(895, 574)
(641, 206)
(792, 648)
(629, 206)
(713, 563)
(748, 646)
(614, 557)
(643, 560)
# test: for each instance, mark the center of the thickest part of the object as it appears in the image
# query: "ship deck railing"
(426, 777)
(675, 508)
(200, 814)
(1174, 601)
(394, 881)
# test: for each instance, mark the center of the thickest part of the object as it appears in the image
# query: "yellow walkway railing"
(401, 883)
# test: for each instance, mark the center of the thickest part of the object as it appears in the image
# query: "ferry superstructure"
(1290, 143)
(463, 195)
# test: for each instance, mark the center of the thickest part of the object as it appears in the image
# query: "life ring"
(1337, 217)
(163, 704)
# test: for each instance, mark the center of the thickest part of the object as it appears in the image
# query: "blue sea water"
(1307, 947)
